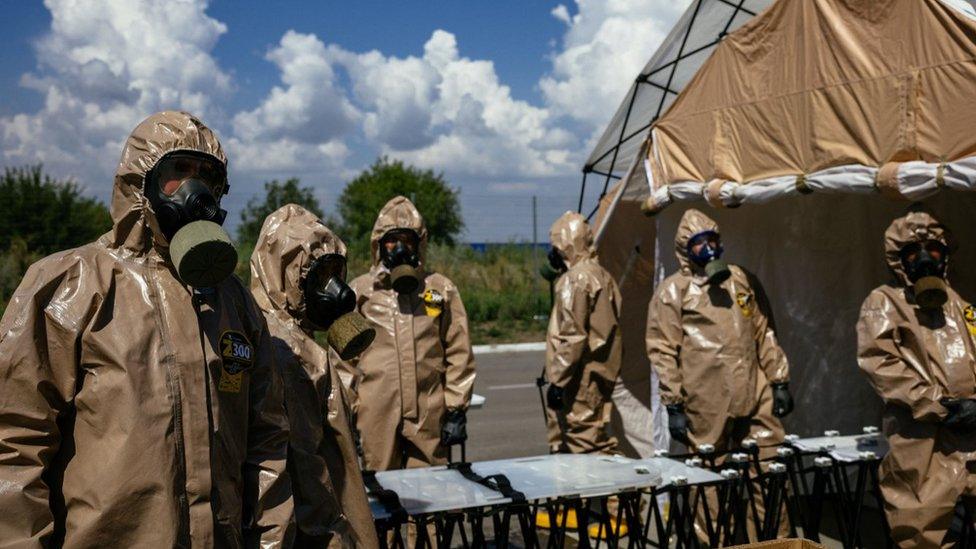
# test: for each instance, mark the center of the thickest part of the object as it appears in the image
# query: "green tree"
(47, 214)
(365, 195)
(276, 195)
(40, 215)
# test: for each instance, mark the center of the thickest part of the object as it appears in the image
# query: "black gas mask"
(330, 305)
(399, 253)
(925, 267)
(183, 189)
(554, 267)
(709, 256)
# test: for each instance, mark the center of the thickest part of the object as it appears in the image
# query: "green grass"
(506, 299)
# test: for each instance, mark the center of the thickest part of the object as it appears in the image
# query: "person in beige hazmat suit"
(583, 348)
(411, 388)
(298, 272)
(916, 344)
(723, 376)
(141, 406)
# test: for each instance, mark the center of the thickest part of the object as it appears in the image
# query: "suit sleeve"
(269, 519)
(663, 340)
(568, 330)
(458, 356)
(891, 372)
(772, 359)
(39, 361)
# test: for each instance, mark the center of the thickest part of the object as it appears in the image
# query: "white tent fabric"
(687, 46)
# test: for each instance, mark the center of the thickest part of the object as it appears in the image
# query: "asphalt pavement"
(511, 422)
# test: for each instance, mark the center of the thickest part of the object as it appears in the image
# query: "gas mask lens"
(705, 250)
(330, 305)
(183, 189)
(925, 265)
(399, 253)
(175, 168)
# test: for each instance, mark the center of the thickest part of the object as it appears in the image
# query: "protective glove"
(455, 429)
(678, 423)
(962, 413)
(782, 399)
(554, 397)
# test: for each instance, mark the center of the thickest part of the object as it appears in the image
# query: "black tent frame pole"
(579, 208)
(666, 89)
(616, 150)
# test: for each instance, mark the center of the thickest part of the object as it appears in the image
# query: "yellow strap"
(886, 181)
(801, 184)
(713, 191)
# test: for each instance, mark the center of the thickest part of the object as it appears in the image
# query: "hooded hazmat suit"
(419, 366)
(136, 412)
(583, 343)
(715, 352)
(914, 357)
(714, 349)
(323, 464)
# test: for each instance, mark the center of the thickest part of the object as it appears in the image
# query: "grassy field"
(506, 299)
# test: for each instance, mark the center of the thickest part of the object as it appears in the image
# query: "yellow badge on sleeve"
(433, 303)
(236, 354)
(970, 313)
(746, 302)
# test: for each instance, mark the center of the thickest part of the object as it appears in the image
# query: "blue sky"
(505, 97)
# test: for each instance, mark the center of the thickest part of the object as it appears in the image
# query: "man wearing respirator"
(298, 278)
(141, 406)
(411, 388)
(710, 337)
(915, 339)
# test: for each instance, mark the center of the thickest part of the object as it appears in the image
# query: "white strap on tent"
(913, 180)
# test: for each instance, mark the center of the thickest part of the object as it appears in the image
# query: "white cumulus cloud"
(102, 67)
(606, 44)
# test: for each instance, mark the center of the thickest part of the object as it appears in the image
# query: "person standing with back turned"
(583, 352)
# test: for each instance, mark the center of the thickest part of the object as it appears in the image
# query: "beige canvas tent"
(823, 120)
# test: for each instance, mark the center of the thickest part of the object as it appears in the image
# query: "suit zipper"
(172, 382)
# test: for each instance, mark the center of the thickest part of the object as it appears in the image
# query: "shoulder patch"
(433, 303)
(237, 356)
(970, 313)
(746, 302)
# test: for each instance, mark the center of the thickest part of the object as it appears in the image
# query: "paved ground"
(511, 422)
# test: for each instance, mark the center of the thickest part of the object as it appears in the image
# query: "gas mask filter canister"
(183, 191)
(330, 305)
(925, 265)
(402, 260)
(709, 256)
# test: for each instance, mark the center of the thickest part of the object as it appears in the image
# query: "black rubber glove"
(554, 397)
(678, 423)
(782, 400)
(455, 429)
(962, 413)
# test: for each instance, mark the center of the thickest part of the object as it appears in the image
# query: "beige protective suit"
(913, 358)
(583, 344)
(419, 366)
(714, 349)
(121, 421)
(715, 352)
(323, 464)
